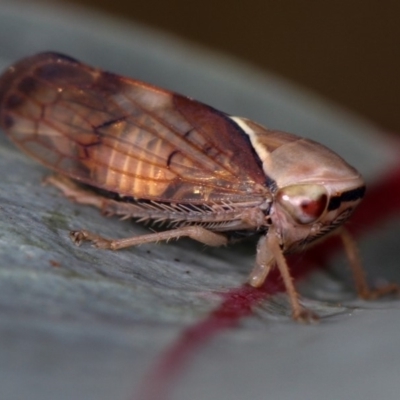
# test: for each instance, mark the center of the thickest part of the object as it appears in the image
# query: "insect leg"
(362, 287)
(74, 192)
(80, 195)
(194, 232)
(269, 246)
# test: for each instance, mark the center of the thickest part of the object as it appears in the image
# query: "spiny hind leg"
(194, 232)
(362, 287)
(110, 207)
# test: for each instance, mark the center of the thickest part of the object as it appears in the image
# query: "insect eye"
(305, 203)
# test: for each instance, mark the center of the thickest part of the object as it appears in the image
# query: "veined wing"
(125, 136)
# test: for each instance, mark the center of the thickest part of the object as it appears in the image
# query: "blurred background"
(81, 324)
(345, 51)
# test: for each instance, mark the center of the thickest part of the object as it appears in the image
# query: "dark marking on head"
(353, 195)
(350, 195)
(334, 203)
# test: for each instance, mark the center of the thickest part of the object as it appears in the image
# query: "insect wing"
(125, 136)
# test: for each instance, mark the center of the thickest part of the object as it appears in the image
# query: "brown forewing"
(125, 136)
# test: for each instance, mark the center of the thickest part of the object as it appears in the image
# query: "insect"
(141, 152)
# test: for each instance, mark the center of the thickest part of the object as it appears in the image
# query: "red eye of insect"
(305, 203)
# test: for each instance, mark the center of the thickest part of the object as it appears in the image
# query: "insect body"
(138, 151)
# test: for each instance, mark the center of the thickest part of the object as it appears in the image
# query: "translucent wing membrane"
(125, 136)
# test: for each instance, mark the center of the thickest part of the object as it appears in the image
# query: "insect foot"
(305, 316)
(375, 293)
(78, 237)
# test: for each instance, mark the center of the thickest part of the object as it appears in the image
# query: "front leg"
(269, 254)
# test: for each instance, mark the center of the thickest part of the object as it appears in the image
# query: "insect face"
(303, 213)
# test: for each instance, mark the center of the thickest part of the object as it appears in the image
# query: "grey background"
(80, 323)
